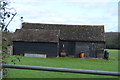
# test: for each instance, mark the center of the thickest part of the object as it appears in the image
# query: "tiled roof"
(36, 35)
(72, 32)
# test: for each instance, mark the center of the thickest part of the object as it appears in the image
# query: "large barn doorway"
(68, 47)
(93, 50)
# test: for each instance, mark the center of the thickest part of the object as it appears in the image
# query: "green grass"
(67, 62)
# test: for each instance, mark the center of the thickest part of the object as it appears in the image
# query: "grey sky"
(79, 12)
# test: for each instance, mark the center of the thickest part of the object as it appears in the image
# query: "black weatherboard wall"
(50, 49)
(91, 49)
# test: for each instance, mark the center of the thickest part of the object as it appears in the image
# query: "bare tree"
(6, 13)
(6, 16)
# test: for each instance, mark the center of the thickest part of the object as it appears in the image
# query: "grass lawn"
(66, 62)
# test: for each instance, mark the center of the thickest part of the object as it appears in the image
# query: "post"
(0, 55)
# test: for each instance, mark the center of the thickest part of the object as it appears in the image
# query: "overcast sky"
(77, 12)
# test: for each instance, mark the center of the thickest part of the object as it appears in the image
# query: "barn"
(35, 41)
(72, 39)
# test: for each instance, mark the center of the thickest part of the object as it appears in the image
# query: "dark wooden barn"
(73, 39)
(35, 41)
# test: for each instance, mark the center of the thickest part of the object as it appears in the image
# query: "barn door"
(93, 50)
(69, 47)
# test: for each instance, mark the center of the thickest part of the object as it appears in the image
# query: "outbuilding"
(72, 39)
(35, 42)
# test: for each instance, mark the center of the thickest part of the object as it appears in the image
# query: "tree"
(6, 16)
(112, 40)
(6, 13)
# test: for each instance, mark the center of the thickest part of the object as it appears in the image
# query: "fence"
(83, 71)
